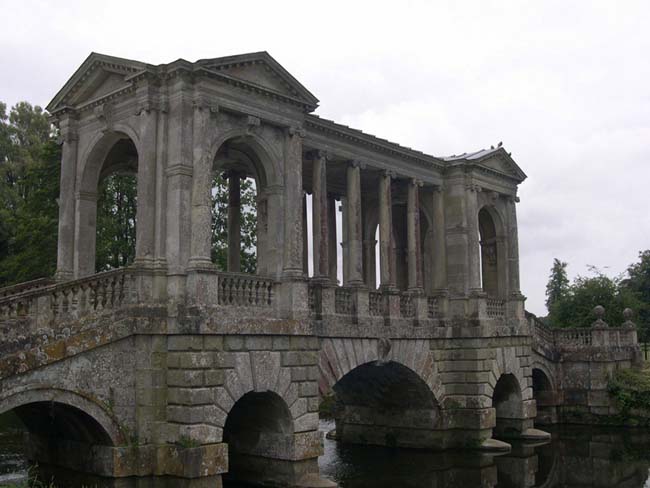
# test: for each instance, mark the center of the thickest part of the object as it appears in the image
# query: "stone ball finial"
(599, 311)
(628, 314)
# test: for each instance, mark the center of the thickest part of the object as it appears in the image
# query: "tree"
(220, 224)
(638, 284)
(29, 189)
(116, 221)
(558, 284)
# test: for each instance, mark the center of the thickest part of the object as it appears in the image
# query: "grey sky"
(565, 86)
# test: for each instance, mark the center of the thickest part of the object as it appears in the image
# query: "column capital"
(317, 154)
(357, 163)
(390, 173)
(296, 130)
(201, 102)
(232, 173)
(472, 187)
(416, 182)
(148, 105)
(438, 188)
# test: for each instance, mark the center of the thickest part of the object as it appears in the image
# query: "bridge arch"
(545, 393)
(63, 414)
(387, 393)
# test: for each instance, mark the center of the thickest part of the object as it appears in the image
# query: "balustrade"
(433, 309)
(378, 304)
(242, 290)
(344, 301)
(496, 308)
(406, 306)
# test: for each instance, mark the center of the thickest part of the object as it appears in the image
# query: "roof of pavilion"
(101, 76)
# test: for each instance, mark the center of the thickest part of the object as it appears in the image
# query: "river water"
(577, 457)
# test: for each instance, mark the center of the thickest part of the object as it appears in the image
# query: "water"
(577, 457)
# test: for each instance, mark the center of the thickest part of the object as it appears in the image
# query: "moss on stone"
(630, 388)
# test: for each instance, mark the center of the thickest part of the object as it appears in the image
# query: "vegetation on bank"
(630, 388)
(571, 304)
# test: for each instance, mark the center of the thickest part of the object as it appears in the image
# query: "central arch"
(386, 403)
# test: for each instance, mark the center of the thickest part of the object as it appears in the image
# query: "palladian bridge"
(399, 291)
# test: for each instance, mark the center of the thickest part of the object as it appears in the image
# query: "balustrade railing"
(496, 308)
(573, 337)
(433, 309)
(25, 286)
(406, 306)
(344, 301)
(243, 290)
(99, 292)
(377, 304)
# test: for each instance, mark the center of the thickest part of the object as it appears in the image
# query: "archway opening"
(239, 210)
(386, 404)
(259, 434)
(117, 207)
(57, 440)
(507, 401)
(545, 398)
(489, 253)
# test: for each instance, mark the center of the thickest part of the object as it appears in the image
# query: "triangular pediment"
(98, 75)
(501, 162)
(262, 70)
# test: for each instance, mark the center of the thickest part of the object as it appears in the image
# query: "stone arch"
(385, 392)
(268, 159)
(109, 152)
(79, 417)
(262, 372)
(93, 158)
(493, 252)
(545, 394)
(249, 154)
(340, 356)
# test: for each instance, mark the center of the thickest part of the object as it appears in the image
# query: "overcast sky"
(564, 85)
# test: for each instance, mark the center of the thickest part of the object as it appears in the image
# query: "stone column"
(513, 247)
(305, 239)
(234, 222)
(293, 248)
(413, 237)
(85, 234)
(332, 244)
(320, 216)
(345, 241)
(65, 249)
(355, 252)
(201, 237)
(439, 245)
(146, 204)
(369, 264)
(386, 276)
(474, 246)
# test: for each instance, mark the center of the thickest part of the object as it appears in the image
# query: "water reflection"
(577, 457)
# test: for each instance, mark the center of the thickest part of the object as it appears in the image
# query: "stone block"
(185, 378)
(185, 343)
(281, 343)
(309, 389)
(258, 343)
(233, 343)
(213, 343)
(214, 377)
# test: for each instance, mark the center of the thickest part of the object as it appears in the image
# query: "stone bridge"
(171, 367)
